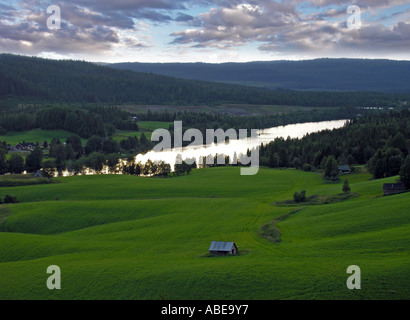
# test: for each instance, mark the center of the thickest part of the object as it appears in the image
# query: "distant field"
(36, 135)
(22, 154)
(232, 109)
(146, 127)
(14, 180)
(123, 237)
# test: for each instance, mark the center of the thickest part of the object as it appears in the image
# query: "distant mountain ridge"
(315, 75)
(35, 80)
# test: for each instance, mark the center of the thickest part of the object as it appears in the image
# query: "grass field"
(146, 127)
(231, 109)
(123, 237)
(36, 135)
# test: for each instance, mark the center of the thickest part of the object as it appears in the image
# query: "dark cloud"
(182, 17)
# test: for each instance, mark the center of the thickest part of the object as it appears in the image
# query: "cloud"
(237, 25)
(286, 27)
(90, 27)
(182, 17)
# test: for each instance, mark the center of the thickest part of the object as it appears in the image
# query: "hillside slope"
(122, 237)
(321, 74)
(35, 80)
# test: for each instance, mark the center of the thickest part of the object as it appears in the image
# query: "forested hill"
(26, 79)
(321, 74)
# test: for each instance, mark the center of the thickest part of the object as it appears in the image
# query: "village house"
(23, 147)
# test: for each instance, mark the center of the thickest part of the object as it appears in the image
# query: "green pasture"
(36, 135)
(146, 127)
(124, 237)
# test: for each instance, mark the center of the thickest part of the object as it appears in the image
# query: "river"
(234, 148)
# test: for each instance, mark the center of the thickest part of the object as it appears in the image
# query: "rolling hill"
(33, 80)
(43, 80)
(316, 75)
(123, 237)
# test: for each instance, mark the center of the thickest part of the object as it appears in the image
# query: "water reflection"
(234, 148)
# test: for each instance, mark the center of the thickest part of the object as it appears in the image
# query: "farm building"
(393, 188)
(24, 146)
(223, 248)
(344, 169)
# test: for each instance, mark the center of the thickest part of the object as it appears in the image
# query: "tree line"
(72, 153)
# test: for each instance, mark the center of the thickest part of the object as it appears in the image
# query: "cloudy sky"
(205, 30)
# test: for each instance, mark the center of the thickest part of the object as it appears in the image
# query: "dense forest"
(35, 80)
(318, 75)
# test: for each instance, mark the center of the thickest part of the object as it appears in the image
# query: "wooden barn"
(393, 188)
(345, 169)
(220, 248)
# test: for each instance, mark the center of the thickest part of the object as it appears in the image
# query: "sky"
(211, 31)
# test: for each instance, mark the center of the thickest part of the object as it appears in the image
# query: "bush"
(300, 197)
(10, 199)
(307, 167)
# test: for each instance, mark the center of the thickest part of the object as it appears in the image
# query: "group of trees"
(71, 154)
(84, 122)
(387, 161)
(96, 163)
(150, 168)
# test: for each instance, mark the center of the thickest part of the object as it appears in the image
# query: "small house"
(345, 169)
(25, 146)
(393, 188)
(223, 248)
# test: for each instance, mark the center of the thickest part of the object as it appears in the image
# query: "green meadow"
(36, 135)
(125, 237)
(146, 127)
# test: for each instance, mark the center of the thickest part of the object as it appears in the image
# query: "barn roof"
(344, 168)
(221, 246)
(394, 186)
